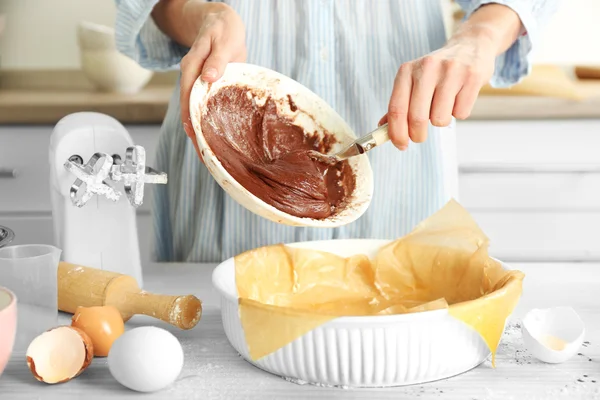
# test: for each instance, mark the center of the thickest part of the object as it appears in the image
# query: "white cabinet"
(533, 186)
(24, 185)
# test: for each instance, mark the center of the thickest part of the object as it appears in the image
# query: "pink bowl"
(8, 325)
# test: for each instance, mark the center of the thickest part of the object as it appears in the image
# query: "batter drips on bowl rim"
(269, 156)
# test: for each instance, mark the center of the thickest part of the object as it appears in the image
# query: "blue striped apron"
(348, 52)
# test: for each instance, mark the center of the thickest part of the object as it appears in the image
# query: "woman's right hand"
(220, 40)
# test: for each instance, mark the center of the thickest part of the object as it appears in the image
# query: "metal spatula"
(358, 147)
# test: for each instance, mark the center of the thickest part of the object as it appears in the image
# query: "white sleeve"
(138, 37)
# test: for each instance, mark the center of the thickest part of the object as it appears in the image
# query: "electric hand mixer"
(92, 224)
(96, 227)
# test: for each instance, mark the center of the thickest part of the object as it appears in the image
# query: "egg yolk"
(103, 324)
(553, 342)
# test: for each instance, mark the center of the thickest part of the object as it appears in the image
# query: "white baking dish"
(375, 351)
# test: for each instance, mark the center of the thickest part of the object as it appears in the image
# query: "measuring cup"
(30, 272)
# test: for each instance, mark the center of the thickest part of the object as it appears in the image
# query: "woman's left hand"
(436, 87)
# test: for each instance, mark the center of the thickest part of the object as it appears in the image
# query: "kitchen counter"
(34, 106)
(213, 370)
(28, 107)
(537, 108)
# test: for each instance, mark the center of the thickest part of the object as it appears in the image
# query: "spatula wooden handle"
(380, 135)
(183, 312)
(585, 72)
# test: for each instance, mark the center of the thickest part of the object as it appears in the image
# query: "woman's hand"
(436, 87)
(446, 83)
(220, 39)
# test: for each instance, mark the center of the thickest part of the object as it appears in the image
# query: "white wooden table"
(213, 370)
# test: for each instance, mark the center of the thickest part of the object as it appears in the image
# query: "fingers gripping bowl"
(303, 109)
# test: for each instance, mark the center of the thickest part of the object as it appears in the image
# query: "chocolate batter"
(268, 155)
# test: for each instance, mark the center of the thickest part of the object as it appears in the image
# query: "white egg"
(553, 335)
(146, 359)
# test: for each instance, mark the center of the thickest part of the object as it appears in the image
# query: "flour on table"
(511, 347)
(301, 382)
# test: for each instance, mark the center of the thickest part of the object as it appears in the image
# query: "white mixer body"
(102, 234)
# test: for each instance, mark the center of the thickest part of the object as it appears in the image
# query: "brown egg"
(103, 324)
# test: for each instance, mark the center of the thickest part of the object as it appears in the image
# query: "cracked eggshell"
(59, 354)
(553, 335)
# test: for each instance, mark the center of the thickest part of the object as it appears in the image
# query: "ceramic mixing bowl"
(102, 63)
(8, 325)
(311, 113)
(372, 351)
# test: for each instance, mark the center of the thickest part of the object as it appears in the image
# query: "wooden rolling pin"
(88, 287)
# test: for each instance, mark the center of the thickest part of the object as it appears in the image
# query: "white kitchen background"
(533, 185)
(40, 34)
